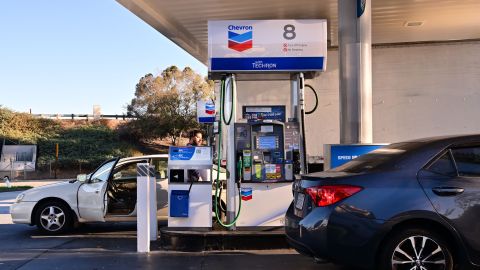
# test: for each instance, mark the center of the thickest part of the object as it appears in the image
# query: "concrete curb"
(189, 240)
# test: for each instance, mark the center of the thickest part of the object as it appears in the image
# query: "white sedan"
(107, 194)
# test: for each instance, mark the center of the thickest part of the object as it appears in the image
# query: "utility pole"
(56, 159)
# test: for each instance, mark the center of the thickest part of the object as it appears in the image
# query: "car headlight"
(19, 197)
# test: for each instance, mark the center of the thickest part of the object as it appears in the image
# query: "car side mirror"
(81, 177)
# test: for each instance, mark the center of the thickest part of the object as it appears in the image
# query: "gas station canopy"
(393, 21)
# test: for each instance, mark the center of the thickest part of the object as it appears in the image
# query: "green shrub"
(86, 145)
(24, 128)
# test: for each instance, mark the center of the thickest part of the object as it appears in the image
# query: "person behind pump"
(196, 139)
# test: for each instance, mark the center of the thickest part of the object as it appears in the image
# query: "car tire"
(403, 250)
(53, 217)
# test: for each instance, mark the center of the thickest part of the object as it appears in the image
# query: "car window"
(128, 170)
(467, 160)
(444, 165)
(161, 165)
(102, 173)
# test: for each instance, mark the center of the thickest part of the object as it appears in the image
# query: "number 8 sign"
(267, 45)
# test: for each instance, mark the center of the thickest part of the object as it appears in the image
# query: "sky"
(60, 56)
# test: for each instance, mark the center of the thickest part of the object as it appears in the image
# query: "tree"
(165, 105)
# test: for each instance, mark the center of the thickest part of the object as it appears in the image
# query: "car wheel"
(53, 217)
(416, 249)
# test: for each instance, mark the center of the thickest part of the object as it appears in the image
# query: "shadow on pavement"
(113, 246)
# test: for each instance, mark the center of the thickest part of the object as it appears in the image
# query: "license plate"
(299, 201)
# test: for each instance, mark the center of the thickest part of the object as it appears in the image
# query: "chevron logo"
(210, 108)
(240, 42)
(246, 194)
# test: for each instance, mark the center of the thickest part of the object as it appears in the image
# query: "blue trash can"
(179, 201)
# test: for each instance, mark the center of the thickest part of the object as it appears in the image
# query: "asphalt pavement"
(113, 246)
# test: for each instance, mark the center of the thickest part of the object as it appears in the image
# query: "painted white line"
(5, 219)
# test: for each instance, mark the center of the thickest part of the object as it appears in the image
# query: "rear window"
(467, 160)
(443, 165)
(377, 158)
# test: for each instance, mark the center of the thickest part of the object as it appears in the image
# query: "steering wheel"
(112, 181)
(113, 186)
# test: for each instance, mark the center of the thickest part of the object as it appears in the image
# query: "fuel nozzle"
(239, 169)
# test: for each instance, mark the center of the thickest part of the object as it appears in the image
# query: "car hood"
(58, 190)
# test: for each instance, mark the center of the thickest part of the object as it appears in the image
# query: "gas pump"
(265, 147)
(261, 152)
(266, 174)
(264, 155)
(189, 187)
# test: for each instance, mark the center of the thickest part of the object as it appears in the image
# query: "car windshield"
(377, 158)
(102, 173)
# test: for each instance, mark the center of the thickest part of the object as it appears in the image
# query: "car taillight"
(327, 195)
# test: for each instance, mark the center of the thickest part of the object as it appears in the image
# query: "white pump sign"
(267, 45)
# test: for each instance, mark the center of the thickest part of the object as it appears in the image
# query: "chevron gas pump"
(267, 172)
(264, 146)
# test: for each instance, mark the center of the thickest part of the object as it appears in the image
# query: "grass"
(15, 188)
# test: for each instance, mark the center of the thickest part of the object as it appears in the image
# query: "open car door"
(92, 195)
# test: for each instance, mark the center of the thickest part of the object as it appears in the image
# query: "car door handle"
(97, 190)
(447, 191)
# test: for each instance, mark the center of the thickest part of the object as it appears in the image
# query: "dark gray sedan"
(410, 205)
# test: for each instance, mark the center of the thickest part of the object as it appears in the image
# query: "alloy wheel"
(52, 218)
(418, 253)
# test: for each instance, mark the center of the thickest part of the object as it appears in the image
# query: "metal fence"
(86, 116)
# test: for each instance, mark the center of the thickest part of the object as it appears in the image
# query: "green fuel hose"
(219, 153)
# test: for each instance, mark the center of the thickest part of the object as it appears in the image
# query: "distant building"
(18, 157)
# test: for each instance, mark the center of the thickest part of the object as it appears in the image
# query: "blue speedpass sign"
(343, 153)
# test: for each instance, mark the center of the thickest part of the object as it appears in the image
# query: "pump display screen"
(267, 142)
